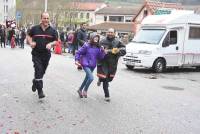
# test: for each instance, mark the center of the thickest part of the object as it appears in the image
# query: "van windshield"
(149, 36)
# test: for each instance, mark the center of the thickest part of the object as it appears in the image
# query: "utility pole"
(45, 8)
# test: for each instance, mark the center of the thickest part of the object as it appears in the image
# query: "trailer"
(169, 40)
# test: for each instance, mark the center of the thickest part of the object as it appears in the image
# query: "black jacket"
(82, 37)
(107, 67)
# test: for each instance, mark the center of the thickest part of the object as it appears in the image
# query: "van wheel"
(159, 65)
(130, 67)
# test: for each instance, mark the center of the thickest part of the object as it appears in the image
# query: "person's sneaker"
(40, 94)
(80, 94)
(33, 86)
(107, 99)
(85, 94)
(98, 83)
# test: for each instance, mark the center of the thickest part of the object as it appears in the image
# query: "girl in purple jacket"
(87, 57)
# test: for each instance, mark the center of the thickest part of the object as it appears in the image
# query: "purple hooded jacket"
(88, 55)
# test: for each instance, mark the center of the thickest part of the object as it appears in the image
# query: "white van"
(171, 40)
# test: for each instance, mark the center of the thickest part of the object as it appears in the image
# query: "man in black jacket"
(107, 67)
(82, 35)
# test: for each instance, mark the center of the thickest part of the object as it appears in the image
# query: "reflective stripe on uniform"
(101, 75)
(112, 75)
(38, 79)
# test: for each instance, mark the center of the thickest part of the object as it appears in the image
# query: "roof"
(120, 10)
(152, 6)
(85, 6)
(118, 26)
(176, 17)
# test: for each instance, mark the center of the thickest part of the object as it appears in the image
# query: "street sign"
(18, 15)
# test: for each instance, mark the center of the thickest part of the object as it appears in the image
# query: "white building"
(83, 11)
(118, 18)
(7, 10)
(121, 14)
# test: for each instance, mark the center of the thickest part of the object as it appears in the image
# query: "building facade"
(149, 8)
(115, 14)
(117, 17)
(7, 10)
(84, 11)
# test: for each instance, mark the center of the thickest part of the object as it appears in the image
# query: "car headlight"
(145, 52)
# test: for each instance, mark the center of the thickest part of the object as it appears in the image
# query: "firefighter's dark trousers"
(40, 63)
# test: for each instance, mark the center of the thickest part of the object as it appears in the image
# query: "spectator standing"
(70, 41)
(3, 36)
(82, 35)
(22, 37)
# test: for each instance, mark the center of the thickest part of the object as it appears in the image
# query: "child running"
(87, 57)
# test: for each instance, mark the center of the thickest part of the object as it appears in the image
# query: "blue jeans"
(70, 47)
(88, 78)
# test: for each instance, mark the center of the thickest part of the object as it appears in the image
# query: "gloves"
(115, 50)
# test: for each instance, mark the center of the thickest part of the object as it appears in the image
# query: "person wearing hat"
(107, 67)
(87, 57)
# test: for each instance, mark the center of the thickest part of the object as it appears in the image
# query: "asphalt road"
(141, 102)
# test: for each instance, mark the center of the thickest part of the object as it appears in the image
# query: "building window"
(88, 15)
(5, 8)
(128, 20)
(5, 18)
(74, 15)
(66, 15)
(116, 18)
(81, 15)
(105, 18)
(194, 33)
(145, 13)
